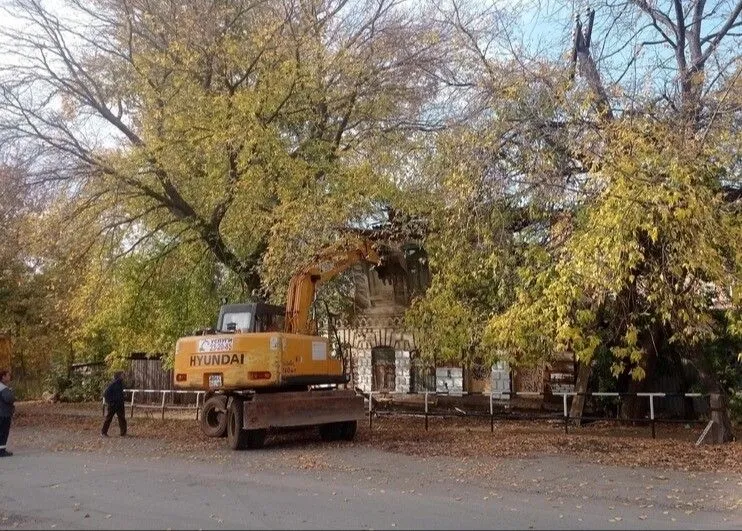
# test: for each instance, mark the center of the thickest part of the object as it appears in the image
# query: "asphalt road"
(347, 487)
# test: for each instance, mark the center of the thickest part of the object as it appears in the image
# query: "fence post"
(492, 415)
(370, 409)
(164, 394)
(133, 394)
(426, 411)
(566, 414)
(651, 414)
(198, 395)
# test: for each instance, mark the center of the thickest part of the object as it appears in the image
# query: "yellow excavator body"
(265, 366)
(243, 361)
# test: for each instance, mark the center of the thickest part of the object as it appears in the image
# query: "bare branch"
(731, 22)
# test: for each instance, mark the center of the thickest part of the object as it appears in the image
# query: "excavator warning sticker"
(319, 350)
(219, 344)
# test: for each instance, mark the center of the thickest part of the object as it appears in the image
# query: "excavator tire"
(213, 418)
(237, 437)
(349, 430)
(332, 431)
(336, 431)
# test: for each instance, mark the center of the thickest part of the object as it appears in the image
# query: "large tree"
(31, 293)
(609, 182)
(241, 132)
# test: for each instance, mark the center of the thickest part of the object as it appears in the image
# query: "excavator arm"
(303, 285)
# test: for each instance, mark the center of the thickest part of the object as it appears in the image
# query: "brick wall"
(402, 371)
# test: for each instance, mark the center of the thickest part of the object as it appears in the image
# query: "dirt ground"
(63, 427)
(457, 475)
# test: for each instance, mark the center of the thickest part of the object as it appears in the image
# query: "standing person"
(7, 407)
(114, 396)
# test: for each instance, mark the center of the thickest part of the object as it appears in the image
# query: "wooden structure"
(147, 373)
(143, 372)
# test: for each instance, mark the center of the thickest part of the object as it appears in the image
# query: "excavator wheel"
(214, 416)
(349, 429)
(332, 431)
(238, 438)
(336, 431)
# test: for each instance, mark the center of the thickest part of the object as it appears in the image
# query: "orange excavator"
(266, 367)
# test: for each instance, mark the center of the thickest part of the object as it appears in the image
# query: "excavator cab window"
(269, 322)
(236, 318)
(251, 317)
(237, 321)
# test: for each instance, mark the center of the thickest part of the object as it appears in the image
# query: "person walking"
(114, 397)
(7, 408)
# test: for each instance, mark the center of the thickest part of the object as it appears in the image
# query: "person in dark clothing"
(114, 397)
(7, 407)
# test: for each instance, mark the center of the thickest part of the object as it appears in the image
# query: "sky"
(544, 31)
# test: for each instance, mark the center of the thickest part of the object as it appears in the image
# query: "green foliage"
(72, 386)
(239, 140)
(144, 305)
(639, 257)
(470, 252)
(30, 289)
(603, 380)
(720, 357)
(29, 388)
(243, 138)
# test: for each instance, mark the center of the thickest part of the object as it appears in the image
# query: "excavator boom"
(303, 285)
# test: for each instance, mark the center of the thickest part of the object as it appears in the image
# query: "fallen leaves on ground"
(465, 438)
(601, 443)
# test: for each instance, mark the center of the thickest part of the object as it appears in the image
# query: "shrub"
(72, 386)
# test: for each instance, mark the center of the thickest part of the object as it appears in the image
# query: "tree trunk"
(721, 431)
(722, 428)
(689, 410)
(634, 407)
(578, 403)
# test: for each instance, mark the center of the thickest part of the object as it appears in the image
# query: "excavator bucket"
(280, 410)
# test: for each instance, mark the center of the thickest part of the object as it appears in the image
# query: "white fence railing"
(503, 395)
(163, 405)
(495, 395)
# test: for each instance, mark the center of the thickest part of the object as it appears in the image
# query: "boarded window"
(383, 369)
(422, 376)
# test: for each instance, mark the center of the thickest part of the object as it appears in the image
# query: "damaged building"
(382, 354)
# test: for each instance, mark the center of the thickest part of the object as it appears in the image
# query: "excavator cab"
(250, 317)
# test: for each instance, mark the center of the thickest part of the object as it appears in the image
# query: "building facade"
(382, 354)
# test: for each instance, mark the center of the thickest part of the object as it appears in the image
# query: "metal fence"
(162, 404)
(508, 414)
